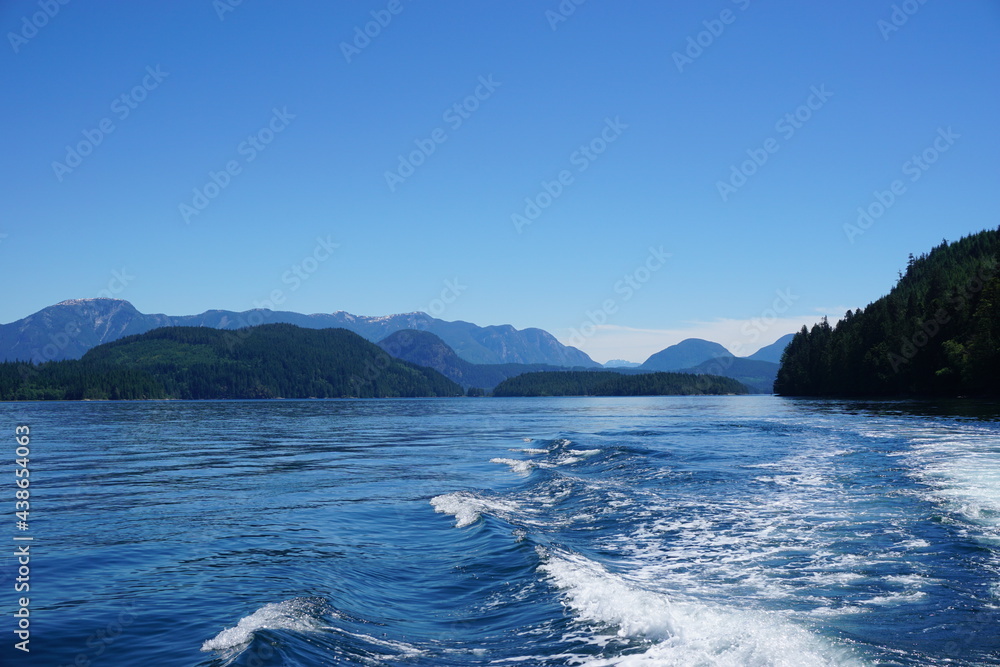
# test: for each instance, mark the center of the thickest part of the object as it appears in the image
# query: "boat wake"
(301, 615)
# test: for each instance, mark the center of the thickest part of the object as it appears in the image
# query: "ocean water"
(748, 530)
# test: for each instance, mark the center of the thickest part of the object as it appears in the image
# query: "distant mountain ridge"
(702, 357)
(70, 328)
(772, 352)
(757, 375)
(426, 349)
(685, 354)
(620, 363)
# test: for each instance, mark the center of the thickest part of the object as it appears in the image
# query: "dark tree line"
(269, 361)
(937, 333)
(609, 383)
(74, 381)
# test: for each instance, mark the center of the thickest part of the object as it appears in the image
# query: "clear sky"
(693, 164)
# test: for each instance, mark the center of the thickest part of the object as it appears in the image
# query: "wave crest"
(297, 615)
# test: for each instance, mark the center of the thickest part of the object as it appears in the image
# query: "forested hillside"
(269, 361)
(936, 333)
(609, 383)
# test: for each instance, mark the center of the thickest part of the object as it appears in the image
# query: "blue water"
(520, 532)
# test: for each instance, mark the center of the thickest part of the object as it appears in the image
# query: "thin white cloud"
(741, 337)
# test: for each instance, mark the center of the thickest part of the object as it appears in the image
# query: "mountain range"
(702, 357)
(694, 351)
(202, 363)
(70, 328)
(471, 355)
(694, 356)
(423, 348)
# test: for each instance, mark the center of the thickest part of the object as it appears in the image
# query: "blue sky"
(252, 149)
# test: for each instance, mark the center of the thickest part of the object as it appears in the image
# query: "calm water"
(520, 532)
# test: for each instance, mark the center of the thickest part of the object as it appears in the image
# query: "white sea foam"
(564, 457)
(297, 614)
(571, 456)
(971, 484)
(400, 649)
(915, 543)
(467, 507)
(594, 594)
(961, 466)
(895, 599)
(516, 465)
(788, 540)
(686, 633)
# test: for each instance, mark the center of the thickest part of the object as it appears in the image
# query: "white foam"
(297, 614)
(571, 456)
(516, 465)
(916, 543)
(467, 507)
(961, 465)
(686, 633)
(401, 649)
(971, 484)
(596, 595)
(895, 599)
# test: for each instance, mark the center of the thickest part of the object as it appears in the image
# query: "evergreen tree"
(937, 332)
